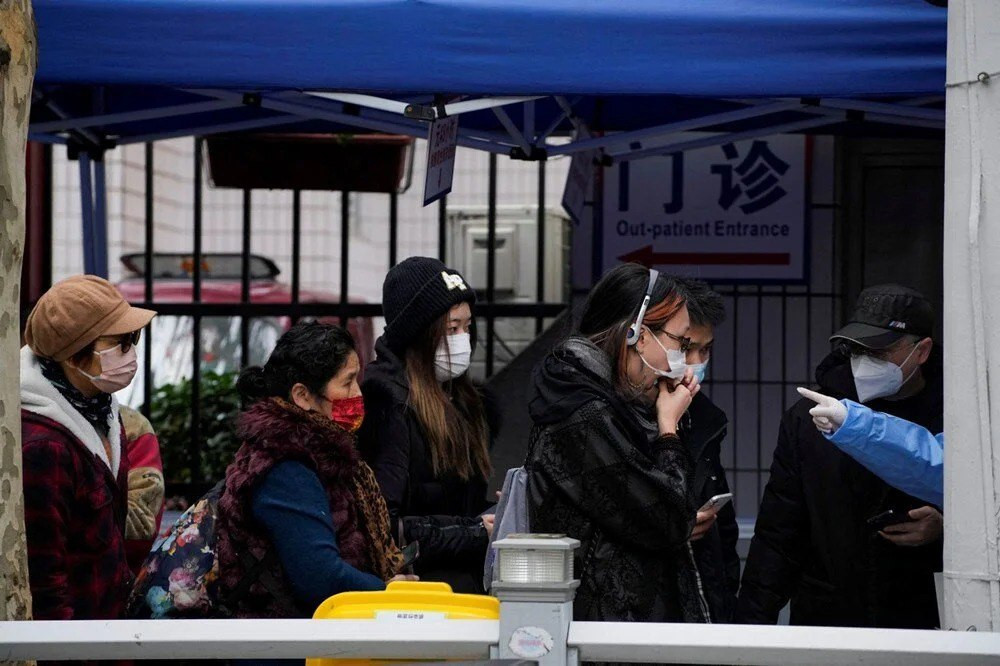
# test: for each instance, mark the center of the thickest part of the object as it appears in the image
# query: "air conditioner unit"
(516, 274)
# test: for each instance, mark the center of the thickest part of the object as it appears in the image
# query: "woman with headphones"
(605, 463)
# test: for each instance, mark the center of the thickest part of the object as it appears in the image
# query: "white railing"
(746, 644)
(248, 639)
(472, 639)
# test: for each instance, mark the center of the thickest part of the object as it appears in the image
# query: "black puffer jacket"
(595, 474)
(811, 544)
(440, 513)
(703, 428)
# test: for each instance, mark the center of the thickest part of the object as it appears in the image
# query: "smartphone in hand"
(885, 519)
(411, 553)
(717, 502)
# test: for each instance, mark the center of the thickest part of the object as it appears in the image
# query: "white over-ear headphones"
(632, 336)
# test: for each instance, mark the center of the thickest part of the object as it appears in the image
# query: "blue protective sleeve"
(903, 454)
(291, 505)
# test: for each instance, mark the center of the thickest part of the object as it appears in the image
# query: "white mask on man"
(875, 378)
(453, 357)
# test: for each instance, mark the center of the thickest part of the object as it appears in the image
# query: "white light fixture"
(535, 559)
(533, 579)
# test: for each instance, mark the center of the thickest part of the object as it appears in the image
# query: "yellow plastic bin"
(404, 597)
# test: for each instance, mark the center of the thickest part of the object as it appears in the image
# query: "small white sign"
(530, 642)
(579, 190)
(411, 616)
(442, 140)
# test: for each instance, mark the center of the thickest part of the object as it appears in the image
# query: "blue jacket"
(903, 454)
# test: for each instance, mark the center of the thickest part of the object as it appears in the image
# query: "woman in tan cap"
(80, 349)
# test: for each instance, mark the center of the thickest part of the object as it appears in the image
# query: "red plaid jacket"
(74, 511)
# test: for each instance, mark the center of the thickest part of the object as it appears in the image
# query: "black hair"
(613, 306)
(705, 306)
(615, 300)
(309, 353)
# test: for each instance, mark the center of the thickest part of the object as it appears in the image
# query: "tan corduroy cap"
(77, 311)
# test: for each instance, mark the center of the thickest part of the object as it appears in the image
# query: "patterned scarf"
(96, 410)
(386, 559)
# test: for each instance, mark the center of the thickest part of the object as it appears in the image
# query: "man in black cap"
(813, 544)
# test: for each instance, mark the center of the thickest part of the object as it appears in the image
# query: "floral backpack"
(180, 577)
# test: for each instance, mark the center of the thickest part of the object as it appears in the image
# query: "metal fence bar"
(296, 248)
(247, 639)
(345, 237)
(245, 281)
(393, 229)
(195, 443)
(443, 228)
(147, 376)
(531, 310)
(491, 263)
(739, 644)
(87, 213)
(540, 275)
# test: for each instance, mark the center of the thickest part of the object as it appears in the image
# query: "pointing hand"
(828, 414)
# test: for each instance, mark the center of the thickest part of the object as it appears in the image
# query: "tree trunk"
(18, 57)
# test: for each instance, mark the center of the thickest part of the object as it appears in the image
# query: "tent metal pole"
(367, 101)
(87, 214)
(400, 126)
(675, 127)
(883, 108)
(172, 111)
(236, 126)
(484, 103)
(512, 129)
(51, 139)
(529, 122)
(100, 220)
(717, 140)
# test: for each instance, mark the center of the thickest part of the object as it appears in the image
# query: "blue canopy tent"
(113, 72)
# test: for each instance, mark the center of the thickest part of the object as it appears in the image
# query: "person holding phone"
(300, 507)
(904, 454)
(429, 429)
(817, 542)
(703, 428)
(606, 463)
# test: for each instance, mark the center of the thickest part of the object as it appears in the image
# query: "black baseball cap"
(885, 313)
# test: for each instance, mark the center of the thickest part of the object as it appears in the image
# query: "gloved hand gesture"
(828, 414)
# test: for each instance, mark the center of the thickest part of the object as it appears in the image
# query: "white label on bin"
(530, 642)
(408, 615)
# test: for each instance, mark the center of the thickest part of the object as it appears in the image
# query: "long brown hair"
(613, 305)
(452, 415)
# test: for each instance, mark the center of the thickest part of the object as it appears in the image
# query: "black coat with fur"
(594, 475)
(441, 512)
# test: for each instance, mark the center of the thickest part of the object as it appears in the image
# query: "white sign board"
(579, 190)
(730, 212)
(442, 140)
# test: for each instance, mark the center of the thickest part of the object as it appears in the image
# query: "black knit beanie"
(416, 293)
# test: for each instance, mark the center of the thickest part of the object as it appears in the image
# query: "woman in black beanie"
(427, 433)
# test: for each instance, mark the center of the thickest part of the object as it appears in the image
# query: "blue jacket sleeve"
(903, 454)
(291, 505)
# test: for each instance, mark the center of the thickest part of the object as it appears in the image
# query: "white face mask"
(676, 359)
(453, 357)
(875, 378)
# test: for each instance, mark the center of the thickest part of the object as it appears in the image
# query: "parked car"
(221, 273)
